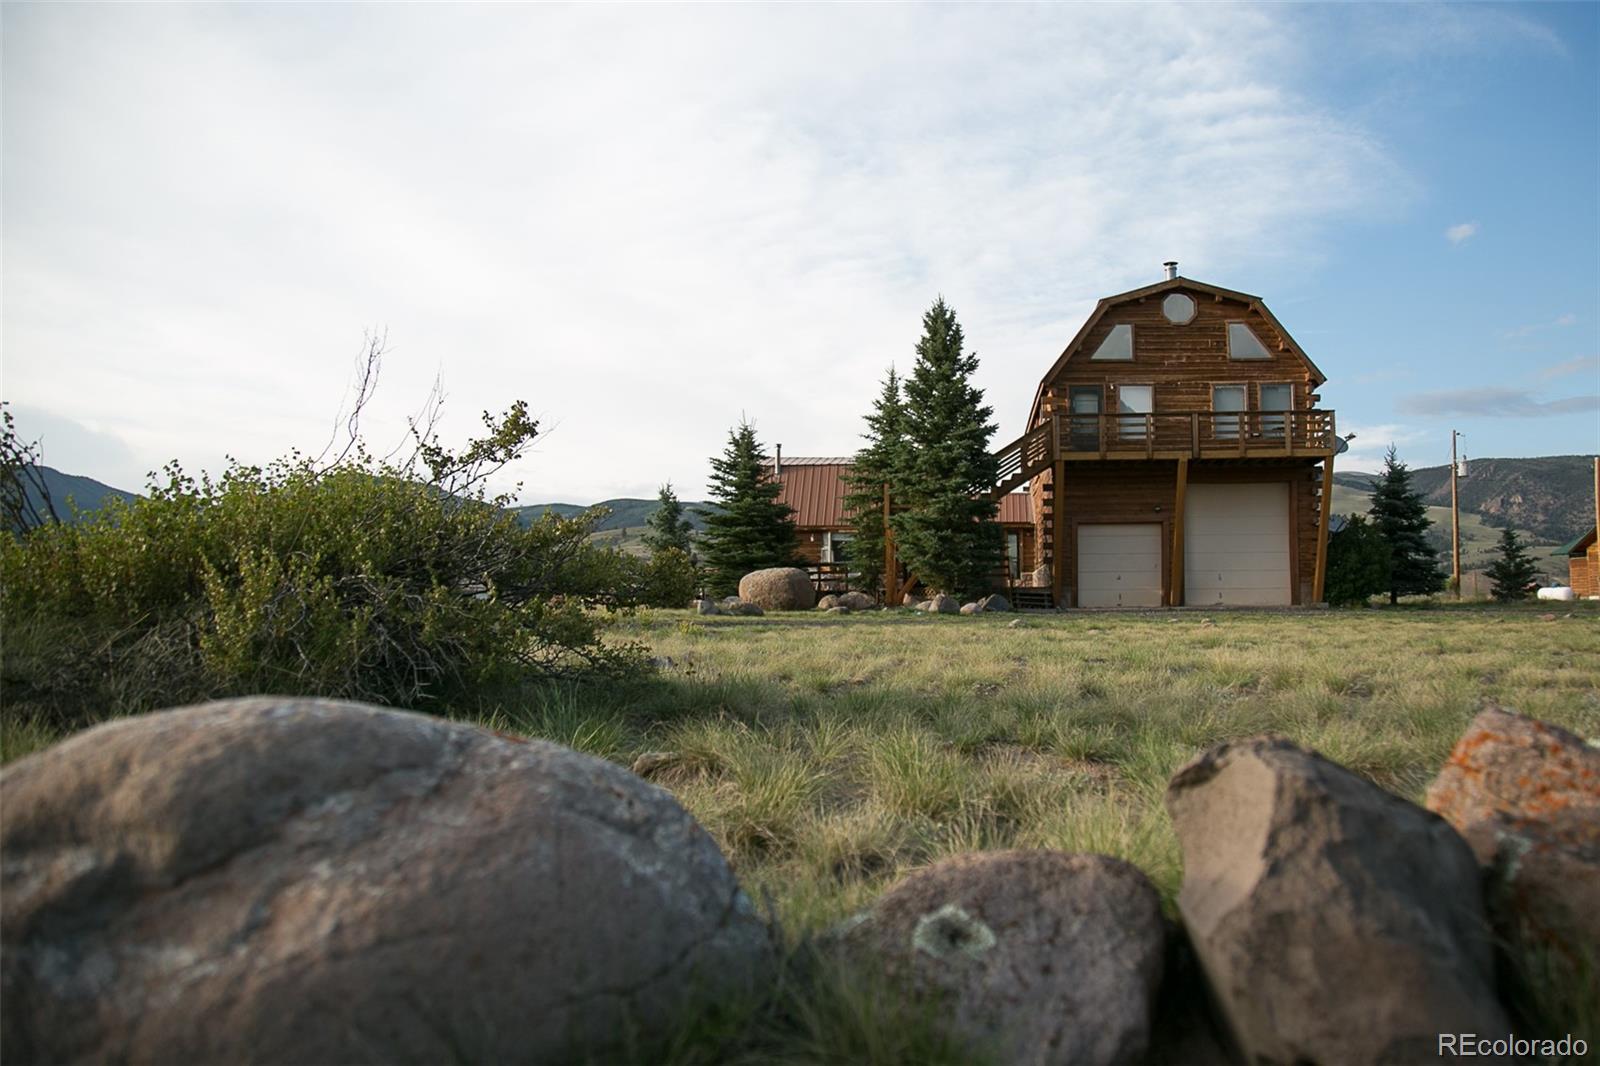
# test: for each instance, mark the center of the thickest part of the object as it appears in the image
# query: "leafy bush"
(361, 580)
(670, 579)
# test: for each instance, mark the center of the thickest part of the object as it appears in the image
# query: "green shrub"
(358, 581)
(1358, 563)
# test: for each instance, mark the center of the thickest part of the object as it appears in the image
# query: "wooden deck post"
(1175, 593)
(1058, 545)
(1319, 577)
(891, 565)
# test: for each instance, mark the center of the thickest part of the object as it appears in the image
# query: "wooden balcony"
(1166, 435)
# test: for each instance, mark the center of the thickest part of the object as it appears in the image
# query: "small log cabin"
(1176, 455)
(816, 487)
(1583, 554)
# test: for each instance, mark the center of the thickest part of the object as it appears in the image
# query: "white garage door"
(1236, 544)
(1119, 566)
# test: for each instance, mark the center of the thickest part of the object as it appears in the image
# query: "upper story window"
(1117, 345)
(1244, 344)
(1178, 308)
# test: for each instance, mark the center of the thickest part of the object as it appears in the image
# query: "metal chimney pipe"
(777, 460)
(1172, 268)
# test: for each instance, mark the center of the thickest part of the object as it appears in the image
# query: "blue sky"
(649, 221)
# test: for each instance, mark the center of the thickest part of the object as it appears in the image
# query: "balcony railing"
(1164, 435)
(1195, 434)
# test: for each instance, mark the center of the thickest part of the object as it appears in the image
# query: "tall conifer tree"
(946, 533)
(1514, 575)
(1402, 517)
(751, 530)
(882, 462)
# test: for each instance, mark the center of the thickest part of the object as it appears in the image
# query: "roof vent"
(1172, 268)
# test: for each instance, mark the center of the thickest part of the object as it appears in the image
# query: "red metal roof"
(816, 489)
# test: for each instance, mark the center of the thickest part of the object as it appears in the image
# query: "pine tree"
(1514, 574)
(881, 462)
(751, 530)
(667, 527)
(946, 532)
(1358, 563)
(1402, 517)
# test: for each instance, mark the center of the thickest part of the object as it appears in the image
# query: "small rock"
(837, 609)
(1041, 956)
(648, 763)
(996, 602)
(750, 610)
(1018, 623)
(1336, 923)
(1547, 618)
(910, 601)
(828, 601)
(706, 607)
(662, 662)
(971, 608)
(858, 601)
(1207, 622)
(942, 604)
(1526, 796)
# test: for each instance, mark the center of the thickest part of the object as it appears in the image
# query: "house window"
(1276, 398)
(835, 547)
(1117, 345)
(1134, 400)
(1086, 417)
(1226, 399)
(1244, 344)
(1014, 554)
(1178, 308)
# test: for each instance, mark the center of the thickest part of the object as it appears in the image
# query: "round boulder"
(780, 588)
(858, 601)
(1035, 956)
(264, 880)
(828, 602)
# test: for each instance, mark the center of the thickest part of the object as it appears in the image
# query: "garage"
(1236, 545)
(1119, 565)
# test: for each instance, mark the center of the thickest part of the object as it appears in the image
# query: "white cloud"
(1461, 233)
(1559, 322)
(1366, 451)
(644, 220)
(1578, 365)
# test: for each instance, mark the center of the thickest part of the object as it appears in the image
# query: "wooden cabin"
(1176, 455)
(1583, 554)
(1583, 566)
(816, 487)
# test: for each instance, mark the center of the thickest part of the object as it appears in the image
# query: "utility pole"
(1455, 520)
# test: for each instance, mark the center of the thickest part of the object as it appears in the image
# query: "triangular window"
(1117, 345)
(1244, 344)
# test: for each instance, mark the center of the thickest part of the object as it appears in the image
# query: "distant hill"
(1550, 498)
(625, 514)
(85, 493)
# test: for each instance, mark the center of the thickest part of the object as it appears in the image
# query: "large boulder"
(1036, 956)
(265, 880)
(780, 588)
(1335, 923)
(857, 601)
(1526, 796)
(996, 602)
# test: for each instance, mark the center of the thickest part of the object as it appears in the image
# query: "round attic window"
(1178, 308)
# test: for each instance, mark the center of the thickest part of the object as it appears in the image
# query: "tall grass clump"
(397, 584)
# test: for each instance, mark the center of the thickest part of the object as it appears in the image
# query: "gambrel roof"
(1107, 303)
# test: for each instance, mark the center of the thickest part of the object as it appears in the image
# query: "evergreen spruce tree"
(946, 533)
(667, 526)
(1401, 516)
(881, 462)
(751, 530)
(1358, 563)
(1514, 574)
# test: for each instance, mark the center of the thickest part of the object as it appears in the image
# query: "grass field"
(831, 756)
